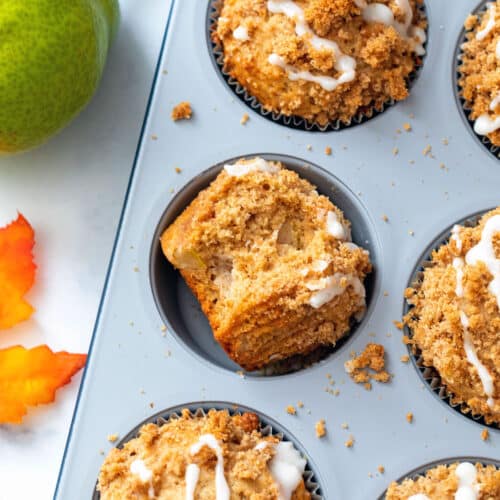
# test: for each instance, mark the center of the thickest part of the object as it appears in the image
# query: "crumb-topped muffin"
(217, 455)
(271, 262)
(322, 60)
(455, 317)
(480, 71)
(450, 482)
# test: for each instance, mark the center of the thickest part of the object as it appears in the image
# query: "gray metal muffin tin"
(134, 366)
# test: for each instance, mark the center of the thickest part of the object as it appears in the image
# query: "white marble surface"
(71, 190)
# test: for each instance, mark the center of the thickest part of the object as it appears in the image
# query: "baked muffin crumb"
(369, 365)
(182, 111)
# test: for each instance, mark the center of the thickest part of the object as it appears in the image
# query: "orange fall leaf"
(30, 377)
(17, 271)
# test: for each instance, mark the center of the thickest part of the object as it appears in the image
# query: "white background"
(71, 190)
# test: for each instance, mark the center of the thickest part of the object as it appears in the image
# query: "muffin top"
(450, 482)
(323, 60)
(204, 457)
(455, 317)
(480, 71)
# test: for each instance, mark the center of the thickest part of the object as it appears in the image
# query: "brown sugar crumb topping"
(369, 365)
(182, 111)
(320, 428)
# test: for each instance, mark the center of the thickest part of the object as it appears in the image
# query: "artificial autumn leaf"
(30, 377)
(17, 271)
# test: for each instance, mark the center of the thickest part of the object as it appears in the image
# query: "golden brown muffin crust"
(437, 328)
(166, 451)
(384, 59)
(441, 483)
(480, 68)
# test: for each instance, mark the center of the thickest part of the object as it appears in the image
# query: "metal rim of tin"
(429, 374)
(268, 427)
(331, 184)
(423, 469)
(464, 106)
(297, 122)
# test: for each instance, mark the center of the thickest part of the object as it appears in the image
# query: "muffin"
(455, 318)
(480, 72)
(322, 60)
(450, 482)
(216, 455)
(271, 262)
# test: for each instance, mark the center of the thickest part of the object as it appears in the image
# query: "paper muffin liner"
(293, 121)
(464, 105)
(422, 470)
(268, 427)
(429, 374)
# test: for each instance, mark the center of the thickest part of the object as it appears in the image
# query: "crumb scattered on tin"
(309, 147)
(300, 404)
(381, 469)
(398, 324)
(395, 151)
(344, 426)
(320, 428)
(178, 170)
(154, 137)
(405, 358)
(291, 410)
(244, 119)
(350, 442)
(136, 269)
(409, 417)
(485, 435)
(385, 218)
(182, 111)
(411, 233)
(328, 151)
(407, 126)
(369, 365)
(427, 150)
(163, 328)
(445, 141)
(112, 438)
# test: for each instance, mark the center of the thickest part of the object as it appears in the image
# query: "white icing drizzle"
(419, 496)
(319, 265)
(467, 487)
(485, 252)
(241, 33)
(481, 35)
(328, 288)
(381, 13)
(485, 125)
(256, 165)
(336, 228)
(192, 476)
(287, 468)
(260, 446)
(138, 468)
(455, 236)
(221, 487)
(458, 264)
(495, 102)
(344, 64)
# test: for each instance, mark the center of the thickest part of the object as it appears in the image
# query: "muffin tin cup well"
(179, 308)
(422, 470)
(296, 122)
(464, 106)
(269, 427)
(429, 374)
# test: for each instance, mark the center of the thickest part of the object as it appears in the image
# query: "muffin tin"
(135, 366)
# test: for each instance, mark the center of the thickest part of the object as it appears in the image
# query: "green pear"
(52, 56)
